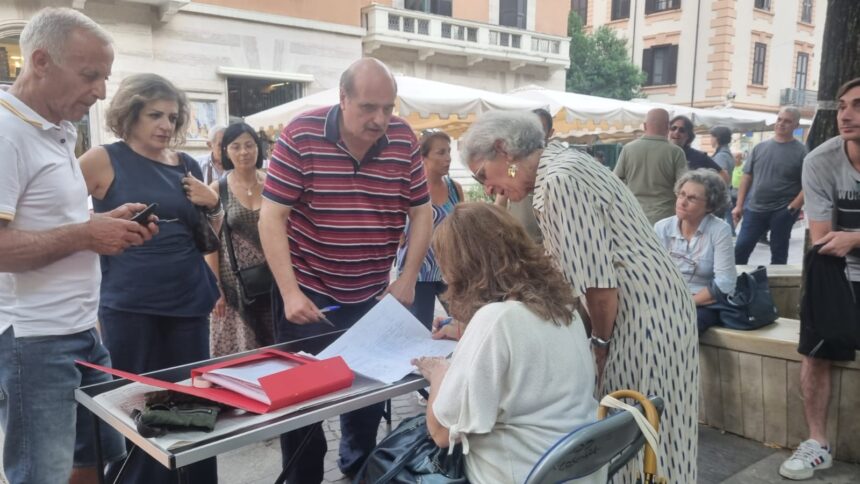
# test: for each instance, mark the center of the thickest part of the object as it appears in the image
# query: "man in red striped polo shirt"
(340, 184)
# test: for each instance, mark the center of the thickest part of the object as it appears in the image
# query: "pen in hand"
(325, 319)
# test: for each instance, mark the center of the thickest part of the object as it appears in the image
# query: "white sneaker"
(808, 458)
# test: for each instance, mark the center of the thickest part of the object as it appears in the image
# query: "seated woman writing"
(700, 242)
(522, 375)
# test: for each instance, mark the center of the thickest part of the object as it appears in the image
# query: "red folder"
(310, 379)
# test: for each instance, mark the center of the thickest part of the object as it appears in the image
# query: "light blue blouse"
(708, 256)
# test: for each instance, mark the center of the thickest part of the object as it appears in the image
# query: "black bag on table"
(408, 455)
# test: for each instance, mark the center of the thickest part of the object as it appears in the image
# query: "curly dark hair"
(133, 94)
(486, 256)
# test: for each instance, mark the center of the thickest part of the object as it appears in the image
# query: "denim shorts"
(45, 432)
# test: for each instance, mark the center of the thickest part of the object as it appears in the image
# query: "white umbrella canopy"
(734, 119)
(579, 114)
(423, 103)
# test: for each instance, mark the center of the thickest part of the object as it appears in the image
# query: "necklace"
(250, 188)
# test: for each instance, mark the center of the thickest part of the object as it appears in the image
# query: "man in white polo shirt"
(50, 246)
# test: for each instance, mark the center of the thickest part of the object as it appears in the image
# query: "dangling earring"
(512, 170)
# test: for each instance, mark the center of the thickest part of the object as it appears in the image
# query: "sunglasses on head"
(679, 129)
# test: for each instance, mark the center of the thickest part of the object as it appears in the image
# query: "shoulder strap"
(452, 190)
(225, 227)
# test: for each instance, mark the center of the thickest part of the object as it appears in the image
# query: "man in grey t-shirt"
(770, 194)
(831, 182)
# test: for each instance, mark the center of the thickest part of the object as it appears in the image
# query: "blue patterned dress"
(595, 229)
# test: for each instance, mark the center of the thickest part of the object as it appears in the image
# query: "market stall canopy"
(734, 119)
(579, 115)
(424, 104)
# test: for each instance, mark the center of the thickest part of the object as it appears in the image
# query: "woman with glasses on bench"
(522, 375)
(700, 242)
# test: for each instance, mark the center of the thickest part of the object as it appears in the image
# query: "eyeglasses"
(480, 176)
(679, 129)
(685, 264)
(691, 199)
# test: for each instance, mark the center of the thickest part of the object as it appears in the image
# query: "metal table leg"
(282, 477)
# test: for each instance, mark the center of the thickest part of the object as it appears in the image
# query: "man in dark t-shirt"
(681, 134)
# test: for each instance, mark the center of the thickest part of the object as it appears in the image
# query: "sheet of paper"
(382, 343)
(121, 401)
(252, 372)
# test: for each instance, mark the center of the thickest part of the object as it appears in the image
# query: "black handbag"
(205, 238)
(750, 306)
(408, 455)
(254, 281)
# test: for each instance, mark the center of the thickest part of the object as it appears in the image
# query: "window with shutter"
(581, 9)
(438, 7)
(648, 66)
(620, 9)
(654, 6)
(512, 13)
(762, 4)
(806, 11)
(660, 64)
(759, 57)
(801, 71)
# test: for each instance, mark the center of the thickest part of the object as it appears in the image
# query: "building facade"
(237, 57)
(753, 54)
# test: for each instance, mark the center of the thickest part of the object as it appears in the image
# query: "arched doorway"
(11, 62)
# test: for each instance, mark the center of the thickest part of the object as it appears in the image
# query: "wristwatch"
(599, 342)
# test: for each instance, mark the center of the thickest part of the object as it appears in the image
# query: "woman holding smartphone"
(156, 298)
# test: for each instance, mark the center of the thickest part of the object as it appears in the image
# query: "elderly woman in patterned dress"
(643, 321)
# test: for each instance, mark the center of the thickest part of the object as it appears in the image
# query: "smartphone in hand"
(142, 217)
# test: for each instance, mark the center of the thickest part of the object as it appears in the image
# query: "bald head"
(364, 69)
(657, 122)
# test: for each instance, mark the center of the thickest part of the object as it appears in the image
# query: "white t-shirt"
(515, 386)
(41, 188)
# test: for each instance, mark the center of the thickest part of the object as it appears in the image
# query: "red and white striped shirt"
(346, 216)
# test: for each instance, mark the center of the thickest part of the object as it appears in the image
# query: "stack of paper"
(245, 379)
(383, 342)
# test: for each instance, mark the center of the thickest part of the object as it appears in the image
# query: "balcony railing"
(445, 35)
(801, 98)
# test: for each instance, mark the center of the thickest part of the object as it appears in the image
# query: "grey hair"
(50, 28)
(715, 188)
(218, 128)
(793, 111)
(520, 131)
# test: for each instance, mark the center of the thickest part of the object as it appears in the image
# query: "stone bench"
(784, 282)
(750, 386)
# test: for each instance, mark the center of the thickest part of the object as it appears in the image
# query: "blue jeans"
(756, 224)
(425, 300)
(358, 428)
(45, 431)
(140, 343)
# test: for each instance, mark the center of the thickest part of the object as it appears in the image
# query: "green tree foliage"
(600, 64)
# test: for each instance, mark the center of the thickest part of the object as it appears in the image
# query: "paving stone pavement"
(261, 463)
